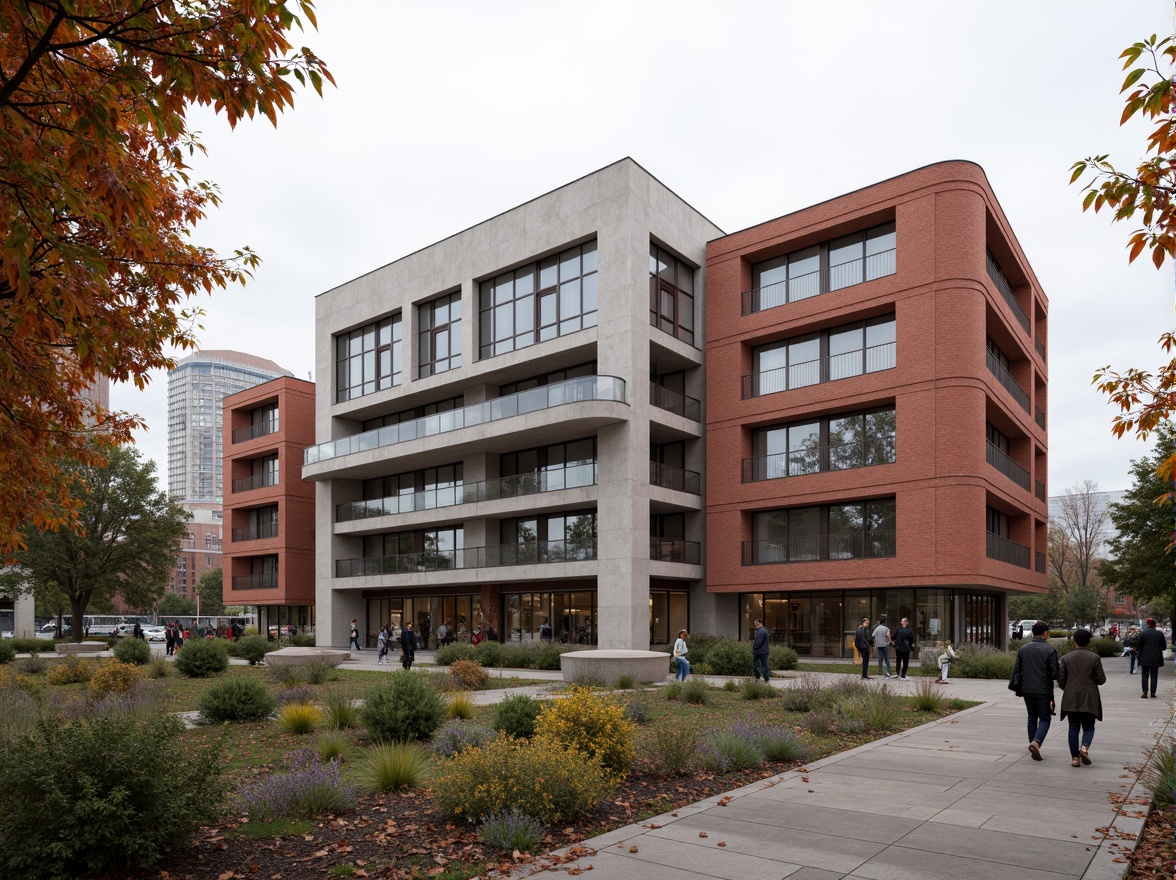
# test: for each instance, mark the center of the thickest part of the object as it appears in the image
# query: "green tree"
(175, 605)
(1141, 558)
(1047, 607)
(211, 590)
(124, 542)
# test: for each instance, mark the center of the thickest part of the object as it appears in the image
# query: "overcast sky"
(447, 113)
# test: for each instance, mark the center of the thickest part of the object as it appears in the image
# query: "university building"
(599, 412)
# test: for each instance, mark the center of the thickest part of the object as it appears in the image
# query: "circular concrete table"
(608, 665)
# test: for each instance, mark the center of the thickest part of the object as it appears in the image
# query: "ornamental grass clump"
(512, 832)
(540, 778)
(456, 737)
(309, 788)
(331, 746)
(299, 719)
(392, 766)
(780, 743)
(461, 705)
(592, 724)
(340, 708)
(722, 750)
(673, 750)
(927, 697)
(403, 707)
(803, 695)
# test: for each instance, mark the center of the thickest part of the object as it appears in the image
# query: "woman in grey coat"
(1080, 673)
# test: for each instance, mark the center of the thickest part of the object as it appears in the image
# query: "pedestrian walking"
(382, 646)
(1150, 647)
(1080, 673)
(945, 659)
(861, 644)
(882, 639)
(354, 636)
(1034, 672)
(680, 650)
(407, 646)
(760, 649)
(169, 640)
(1130, 641)
(904, 645)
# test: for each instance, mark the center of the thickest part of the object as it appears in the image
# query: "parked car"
(155, 633)
(49, 630)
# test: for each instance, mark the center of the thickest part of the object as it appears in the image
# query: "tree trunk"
(78, 612)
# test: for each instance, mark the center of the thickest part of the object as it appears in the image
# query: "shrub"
(546, 655)
(134, 651)
(625, 682)
(461, 705)
(674, 750)
(1159, 774)
(637, 711)
(113, 677)
(781, 743)
(318, 670)
(695, 691)
(288, 676)
(202, 658)
(725, 656)
(142, 701)
(402, 708)
(340, 708)
(515, 716)
(591, 724)
(782, 657)
(297, 694)
(1105, 647)
(302, 640)
(820, 720)
(468, 674)
(803, 695)
(455, 737)
(7, 652)
(34, 664)
(19, 711)
(732, 748)
(102, 796)
(29, 646)
(731, 686)
(512, 832)
(982, 662)
(881, 708)
(158, 668)
(71, 671)
(927, 697)
(489, 653)
(235, 699)
(392, 766)
(449, 654)
(308, 789)
(540, 778)
(331, 746)
(750, 689)
(840, 690)
(253, 648)
(299, 718)
(673, 690)
(928, 660)
(514, 655)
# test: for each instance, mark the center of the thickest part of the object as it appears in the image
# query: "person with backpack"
(382, 646)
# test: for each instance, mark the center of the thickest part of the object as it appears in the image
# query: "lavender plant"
(456, 736)
(307, 789)
(511, 831)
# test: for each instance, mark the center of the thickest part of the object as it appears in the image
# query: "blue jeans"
(759, 665)
(1149, 673)
(1133, 656)
(884, 655)
(1085, 720)
(683, 669)
(1037, 705)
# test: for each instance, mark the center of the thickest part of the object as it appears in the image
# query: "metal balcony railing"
(578, 390)
(675, 402)
(494, 556)
(256, 582)
(826, 369)
(1039, 490)
(1039, 563)
(819, 458)
(1039, 417)
(469, 493)
(1007, 381)
(666, 550)
(678, 479)
(812, 284)
(257, 532)
(1001, 461)
(857, 544)
(1006, 290)
(256, 481)
(1004, 550)
(253, 432)
(1040, 348)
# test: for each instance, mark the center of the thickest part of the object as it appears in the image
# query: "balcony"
(665, 550)
(1040, 348)
(256, 481)
(675, 402)
(1039, 563)
(241, 435)
(1006, 291)
(826, 369)
(812, 460)
(1007, 381)
(1039, 417)
(494, 556)
(675, 478)
(1039, 490)
(256, 533)
(585, 388)
(469, 493)
(1001, 461)
(803, 287)
(857, 544)
(256, 582)
(1004, 550)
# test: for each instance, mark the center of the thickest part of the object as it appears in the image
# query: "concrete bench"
(80, 647)
(304, 656)
(648, 667)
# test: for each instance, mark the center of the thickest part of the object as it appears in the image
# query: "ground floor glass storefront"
(426, 614)
(275, 620)
(822, 624)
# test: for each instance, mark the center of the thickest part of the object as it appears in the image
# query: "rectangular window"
(369, 359)
(440, 335)
(671, 294)
(560, 537)
(548, 468)
(264, 420)
(853, 530)
(840, 353)
(548, 298)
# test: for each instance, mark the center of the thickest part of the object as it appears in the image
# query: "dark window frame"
(365, 350)
(671, 294)
(432, 331)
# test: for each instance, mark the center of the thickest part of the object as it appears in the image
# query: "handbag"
(1015, 681)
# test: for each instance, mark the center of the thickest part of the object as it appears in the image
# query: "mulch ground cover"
(1154, 857)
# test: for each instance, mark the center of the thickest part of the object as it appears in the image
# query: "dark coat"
(759, 643)
(1150, 647)
(1080, 673)
(904, 640)
(861, 640)
(1037, 661)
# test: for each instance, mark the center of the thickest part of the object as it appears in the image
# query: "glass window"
(798, 362)
(440, 335)
(368, 359)
(836, 531)
(671, 294)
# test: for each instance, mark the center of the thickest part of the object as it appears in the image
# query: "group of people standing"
(384, 639)
(881, 639)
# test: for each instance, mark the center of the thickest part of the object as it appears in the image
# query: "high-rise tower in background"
(196, 386)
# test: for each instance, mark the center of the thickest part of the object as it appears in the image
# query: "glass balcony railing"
(494, 556)
(675, 402)
(826, 369)
(666, 550)
(469, 493)
(1007, 381)
(856, 544)
(1001, 461)
(578, 390)
(674, 478)
(1004, 550)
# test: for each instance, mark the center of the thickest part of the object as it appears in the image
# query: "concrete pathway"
(955, 799)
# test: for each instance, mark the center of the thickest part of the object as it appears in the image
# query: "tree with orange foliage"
(97, 209)
(1145, 399)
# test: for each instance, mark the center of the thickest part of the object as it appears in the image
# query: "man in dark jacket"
(407, 646)
(759, 652)
(1150, 647)
(904, 643)
(1037, 668)
(861, 641)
